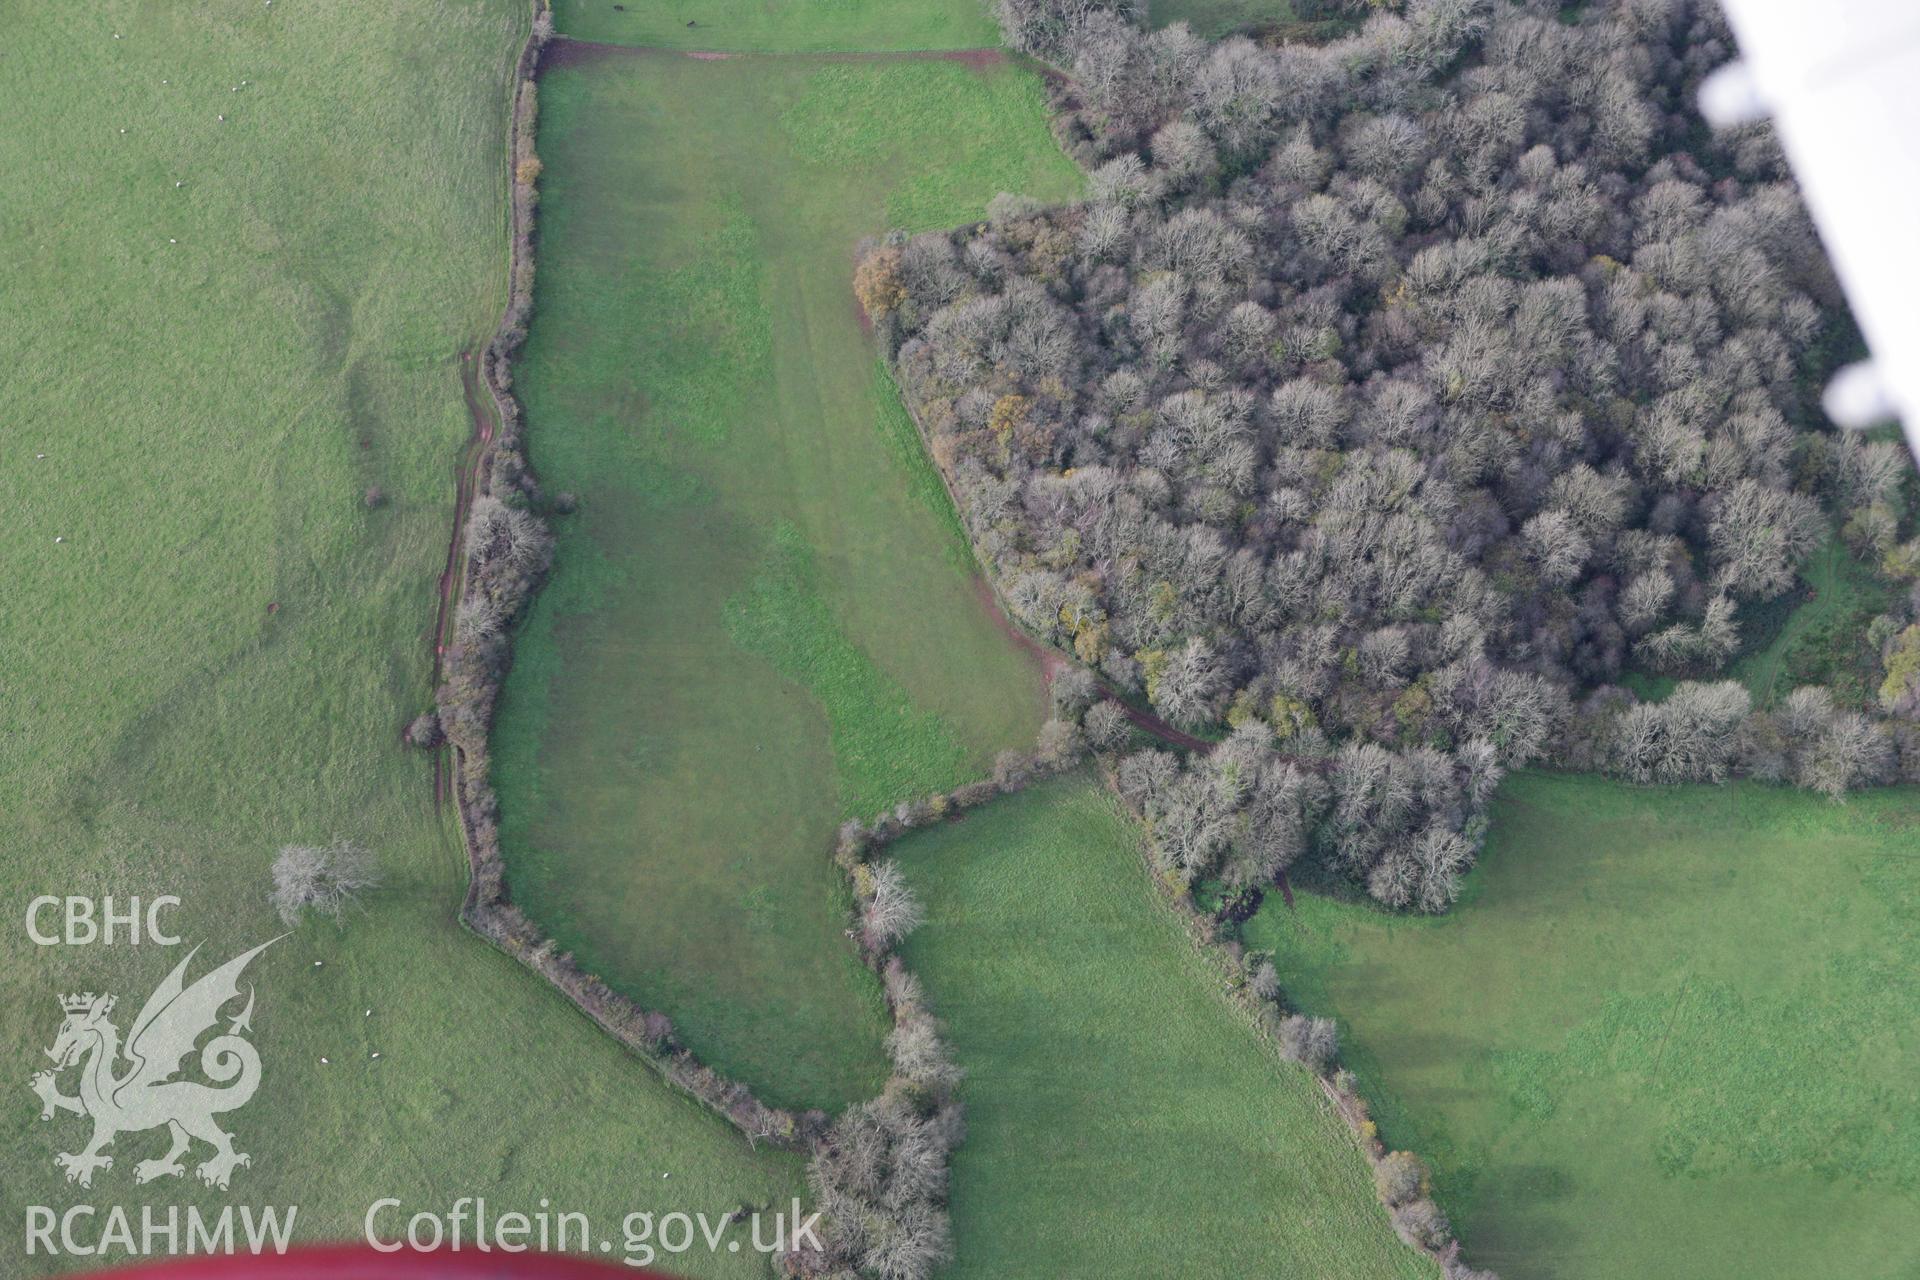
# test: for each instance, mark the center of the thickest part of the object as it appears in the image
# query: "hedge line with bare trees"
(1405, 825)
(507, 549)
(1400, 1177)
(879, 1174)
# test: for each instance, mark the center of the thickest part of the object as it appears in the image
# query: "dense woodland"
(1390, 401)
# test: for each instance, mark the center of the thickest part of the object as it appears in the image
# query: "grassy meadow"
(1123, 1118)
(1668, 1031)
(782, 26)
(220, 333)
(762, 619)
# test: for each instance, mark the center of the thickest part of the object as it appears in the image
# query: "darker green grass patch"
(883, 748)
(1123, 1117)
(1814, 634)
(1670, 1032)
(758, 622)
(1216, 18)
(909, 454)
(1820, 637)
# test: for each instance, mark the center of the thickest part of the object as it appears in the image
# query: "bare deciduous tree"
(1401, 1177)
(1312, 1042)
(892, 911)
(325, 878)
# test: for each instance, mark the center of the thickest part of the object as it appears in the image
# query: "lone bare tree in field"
(327, 878)
(892, 912)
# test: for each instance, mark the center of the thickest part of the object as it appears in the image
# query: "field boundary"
(467, 675)
(1232, 962)
(924, 1070)
(466, 481)
(566, 49)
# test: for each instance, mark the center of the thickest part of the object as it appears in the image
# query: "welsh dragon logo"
(128, 1089)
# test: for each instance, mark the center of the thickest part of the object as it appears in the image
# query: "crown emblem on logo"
(83, 1002)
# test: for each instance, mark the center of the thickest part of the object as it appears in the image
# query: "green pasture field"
(781, 26)
(1123, 1117)
(761, 620)
(220, 334)
(1668, 1032)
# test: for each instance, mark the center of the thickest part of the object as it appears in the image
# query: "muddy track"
(466, 483)
(484, 411)
(566, 51)
(1052, 661)
(1153, 724)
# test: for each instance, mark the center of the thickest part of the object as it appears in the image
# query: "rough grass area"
(1216, 18)
(1816, 633)
(217, 655)
(1670, 1032)
(1823, 638)
(1123, 1117)
(781, 26)
(760, 620)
